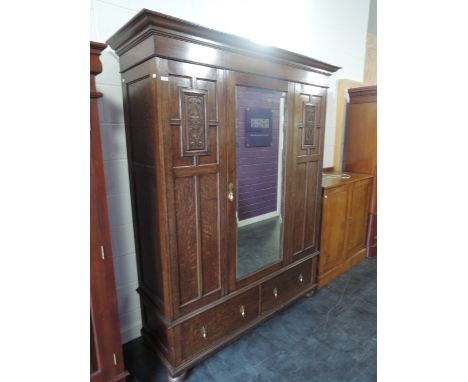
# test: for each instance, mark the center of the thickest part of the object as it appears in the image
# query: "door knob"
(275, 292)
(230, 192)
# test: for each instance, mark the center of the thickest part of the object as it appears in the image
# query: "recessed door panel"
(196, 202)
(358, 216)
(335, 219)
(187, 237)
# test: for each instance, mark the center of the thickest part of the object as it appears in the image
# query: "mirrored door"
(257, 176)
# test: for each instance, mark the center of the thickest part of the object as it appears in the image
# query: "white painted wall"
(333, 31)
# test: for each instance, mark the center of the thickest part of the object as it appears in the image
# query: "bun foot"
(179, 378)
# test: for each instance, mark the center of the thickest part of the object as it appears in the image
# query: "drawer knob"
(301, 278)
(275, 292)
(204, 332)
(242, 310)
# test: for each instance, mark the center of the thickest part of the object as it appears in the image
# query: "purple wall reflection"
(257, 167)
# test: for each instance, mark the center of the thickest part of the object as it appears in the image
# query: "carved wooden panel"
(194, 123)
(195, 96)
(309, 124)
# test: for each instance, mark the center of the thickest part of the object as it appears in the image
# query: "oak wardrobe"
(225, 143)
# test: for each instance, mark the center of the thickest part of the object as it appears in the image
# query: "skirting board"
(131, 332)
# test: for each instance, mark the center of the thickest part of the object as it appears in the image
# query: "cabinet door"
(257, 120)
(358, 215)
(305, 187)
(334, 224)
(194, 149)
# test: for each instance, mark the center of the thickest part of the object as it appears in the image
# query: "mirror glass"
(260, 122)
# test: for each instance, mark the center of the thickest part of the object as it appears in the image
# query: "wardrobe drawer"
(208, 327)
(285, 286)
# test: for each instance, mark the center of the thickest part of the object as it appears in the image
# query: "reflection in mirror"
(259, 188)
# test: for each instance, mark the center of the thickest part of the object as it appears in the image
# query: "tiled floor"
(329, 337)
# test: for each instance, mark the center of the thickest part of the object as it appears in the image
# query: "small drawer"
(208, 327)
(285, 286)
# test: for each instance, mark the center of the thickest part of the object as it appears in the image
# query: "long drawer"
(285, 286)
(205, 329)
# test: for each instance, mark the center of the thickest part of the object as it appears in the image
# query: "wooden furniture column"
(106, 362)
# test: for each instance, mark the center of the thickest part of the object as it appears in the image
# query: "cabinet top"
(333, 179)
(147, 23)
(363, 94)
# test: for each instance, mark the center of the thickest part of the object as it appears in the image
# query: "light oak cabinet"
(225, 144)
(344, 223)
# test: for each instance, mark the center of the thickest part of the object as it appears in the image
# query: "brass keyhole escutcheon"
(242, 310)
(301, 278)
(231, 192)
(275, 292)
(204, 332)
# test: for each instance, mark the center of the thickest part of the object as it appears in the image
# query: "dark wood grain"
(208, 47)
(218, 322)
(179, 90)
(106, 351)
(148, 22)
(198, 198)
(306, 184)
(282, 288)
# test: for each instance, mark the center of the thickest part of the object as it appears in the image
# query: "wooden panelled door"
(335, 218)
(358, 215)
(309, 119)
(196, 179)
